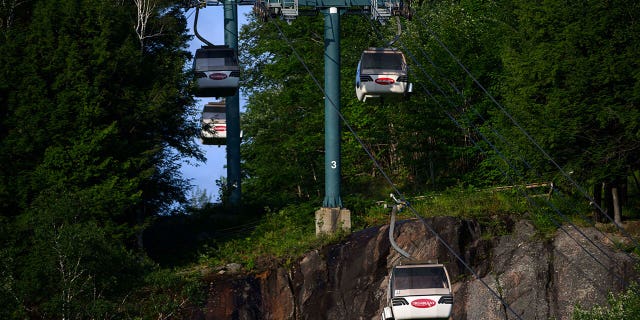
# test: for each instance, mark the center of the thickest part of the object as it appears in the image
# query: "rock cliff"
(515, 276)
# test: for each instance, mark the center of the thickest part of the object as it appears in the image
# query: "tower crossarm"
(380, 10)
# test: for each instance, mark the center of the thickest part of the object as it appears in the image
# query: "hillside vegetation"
(95, 113)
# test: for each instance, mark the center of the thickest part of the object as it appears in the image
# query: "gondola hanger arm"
(195, 29)
(395, 209)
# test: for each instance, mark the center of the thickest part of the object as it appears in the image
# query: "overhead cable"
(392, 185)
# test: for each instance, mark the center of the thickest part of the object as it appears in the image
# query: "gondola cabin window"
(206, 59)
(420, 278)
(378, 60)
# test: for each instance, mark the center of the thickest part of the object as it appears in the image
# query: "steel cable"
(386, 177)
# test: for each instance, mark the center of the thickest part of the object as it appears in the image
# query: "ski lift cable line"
(391, 184)
(484, 138)
(567, 220)
(526, 194)
(498, 135)
(527, 135)
(398, 32)
(189, 14)
(465, 264)
(479, 132)
(346, 123)
(439, 88)
(530, 199)
(458, 92)
(422, 219)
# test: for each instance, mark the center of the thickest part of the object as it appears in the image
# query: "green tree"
(94, 124)
(442, 138)
(415, 142)
(571, 83)
(283, 125)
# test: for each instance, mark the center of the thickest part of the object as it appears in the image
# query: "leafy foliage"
(546, 100)
(625, 305)
(279, 237)
(413, 141)
(93, 126)
(569, 82)
(281, 157)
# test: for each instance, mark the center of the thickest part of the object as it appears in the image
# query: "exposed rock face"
(516, 276)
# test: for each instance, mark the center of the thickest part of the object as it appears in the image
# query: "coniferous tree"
(571, 83)
(94, 122)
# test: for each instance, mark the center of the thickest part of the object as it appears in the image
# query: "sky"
(210, 27)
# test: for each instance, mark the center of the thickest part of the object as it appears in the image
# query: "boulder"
(516, 276)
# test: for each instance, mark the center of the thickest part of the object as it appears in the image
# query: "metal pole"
(233, 110)
(332, 108)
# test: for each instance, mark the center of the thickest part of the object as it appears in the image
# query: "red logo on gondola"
(220, 128)
(217, 76)
(423, 303)
(385, 81)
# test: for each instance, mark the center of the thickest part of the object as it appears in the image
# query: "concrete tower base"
(331, 220)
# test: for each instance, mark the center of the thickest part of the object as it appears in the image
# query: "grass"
(282, 237)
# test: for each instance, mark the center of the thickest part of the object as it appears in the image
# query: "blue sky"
(210, 26)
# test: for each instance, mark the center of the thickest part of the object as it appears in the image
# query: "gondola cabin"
(217, 71)
(418, 291)
(382, 72)
(214, 124)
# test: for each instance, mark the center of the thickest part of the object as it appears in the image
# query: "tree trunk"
(617, 207)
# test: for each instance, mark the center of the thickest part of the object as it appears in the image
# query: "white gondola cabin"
(214, 124)
(217, 71)
(382, 72)
(418, 291)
